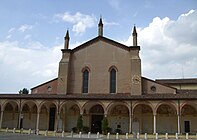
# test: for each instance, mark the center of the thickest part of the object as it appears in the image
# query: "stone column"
(19, 119)
(178, 125)
(130, 122)
(63, 119)
(155, 123)
(38, 119)
(1, 119)
(58, 121)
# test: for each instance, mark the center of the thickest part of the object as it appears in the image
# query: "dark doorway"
(52, 119)
(187, 126)
(21, 123)
(96, 123)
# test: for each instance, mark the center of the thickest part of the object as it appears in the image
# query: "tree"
(104, 125)
(80, 123)
(24, 91)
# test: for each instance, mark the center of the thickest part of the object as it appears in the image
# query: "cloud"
(11, 30)
(106, 23)
(169, 47)
(25, 27)
(80, 21)
(27, 67)
(115, 4)
(8, 36)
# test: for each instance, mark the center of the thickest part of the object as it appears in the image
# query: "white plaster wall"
(29, 122)
(193, 123)
(117, 120)
(33, 121)
(26, 121)
(166, 124)
(71, 122)
(147, 124)
(86, 120)
(8, 120)
(44, 121)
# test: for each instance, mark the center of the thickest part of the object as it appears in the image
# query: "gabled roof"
(44, 83)
(163, 84)
(107, 40)
(178, 81)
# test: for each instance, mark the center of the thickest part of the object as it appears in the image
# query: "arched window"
(85, 81)
(113, 81)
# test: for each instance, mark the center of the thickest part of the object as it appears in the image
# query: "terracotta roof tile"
(182, 95)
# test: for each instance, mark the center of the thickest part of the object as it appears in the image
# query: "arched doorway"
(119, 118)
(69, 114)
(142, 119)
(166, 119)
(188, 118)
(96, 112)
(48, 114)
(11, 115)
(28, 115)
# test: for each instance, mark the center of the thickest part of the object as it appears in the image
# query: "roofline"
(160, 83)
(165, 96)
(44, 83)
(128, 48)
(178, 81)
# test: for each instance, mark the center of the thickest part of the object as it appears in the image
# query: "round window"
(153, 88)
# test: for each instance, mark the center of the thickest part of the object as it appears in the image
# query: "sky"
(32, 36)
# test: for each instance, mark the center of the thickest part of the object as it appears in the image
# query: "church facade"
(102, 78)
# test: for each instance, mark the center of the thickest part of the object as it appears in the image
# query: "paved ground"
(18, 136)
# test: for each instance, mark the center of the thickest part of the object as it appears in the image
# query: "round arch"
(192, 104)
(48, 114)
(11, 112)
(48, 104)
(166, 113)
(118, 116)
(170, 104)
(88, 105)
(11, 102)
(188, 112)
(113, 104)
(30, 104)
(146, 103)
(69, 104)
(142, 116)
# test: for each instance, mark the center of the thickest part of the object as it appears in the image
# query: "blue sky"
(32, 34)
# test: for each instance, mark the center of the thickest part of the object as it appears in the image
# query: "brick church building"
(102, 78)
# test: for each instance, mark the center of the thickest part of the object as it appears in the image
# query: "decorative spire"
(134, 36)
(100, 27)
(66, 40)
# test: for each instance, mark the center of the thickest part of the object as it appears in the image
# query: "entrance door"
(187, 126)
(96, 123)
(52, 119)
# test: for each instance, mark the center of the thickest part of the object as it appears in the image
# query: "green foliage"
(104, 125)
(24, 91)
(80, 123)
